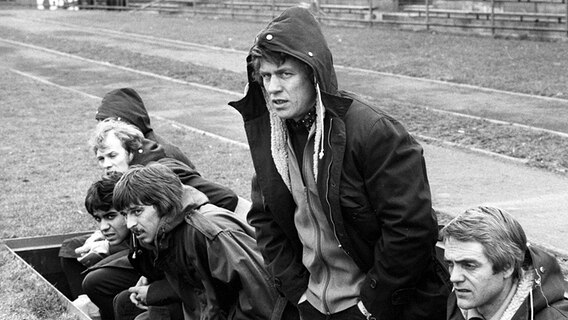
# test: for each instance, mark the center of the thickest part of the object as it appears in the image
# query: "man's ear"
(508, 272)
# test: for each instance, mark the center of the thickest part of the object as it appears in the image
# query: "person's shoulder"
(199, 223)
(173, 151)
(557, 310)
(362, 109)
(367, 119)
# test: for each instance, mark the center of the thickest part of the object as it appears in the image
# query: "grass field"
(46, 165)
(513, 65)
(533, 67)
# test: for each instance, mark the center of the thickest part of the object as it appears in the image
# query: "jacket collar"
(191, 199)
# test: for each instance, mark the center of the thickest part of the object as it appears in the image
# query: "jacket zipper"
(320, 256)
(327, 184)
(318, 249)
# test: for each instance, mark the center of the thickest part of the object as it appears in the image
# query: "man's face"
(143, 222)
(475, 283)
(112, 225)
(291, 93)
(112, 156)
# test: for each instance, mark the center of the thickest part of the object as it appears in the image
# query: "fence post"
(566, 18)
(427, 15)
(273, 9)
(492, 17)
(370, 12)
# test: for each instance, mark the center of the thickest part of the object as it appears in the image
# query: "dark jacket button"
(373, 283)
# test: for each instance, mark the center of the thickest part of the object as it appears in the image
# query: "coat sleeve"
(395, 178)
(160, 293)
(218, 195)
(280, 254)
(231, 268)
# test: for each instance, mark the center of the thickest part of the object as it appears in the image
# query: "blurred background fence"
(542, 19)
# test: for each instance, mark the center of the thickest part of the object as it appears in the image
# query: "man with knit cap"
(125, 104)
(341, 201)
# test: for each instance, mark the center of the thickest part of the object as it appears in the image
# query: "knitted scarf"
(279, 138)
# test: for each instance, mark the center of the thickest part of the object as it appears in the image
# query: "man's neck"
(306, 120)
(494, 310)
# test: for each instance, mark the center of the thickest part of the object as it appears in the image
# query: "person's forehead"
(102, 213)
(109, 144)
(289, 64)
(456, 250)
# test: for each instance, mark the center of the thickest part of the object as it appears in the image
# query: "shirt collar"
(307, 121)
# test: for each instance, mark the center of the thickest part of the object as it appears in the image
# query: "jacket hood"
(149, 151)
(126, 105)
(296, 32)
(191, 199)
(550, 286)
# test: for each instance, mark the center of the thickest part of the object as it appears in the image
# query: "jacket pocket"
(365, 222)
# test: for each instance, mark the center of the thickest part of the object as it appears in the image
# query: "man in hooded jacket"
(125, 104)
(341, 200)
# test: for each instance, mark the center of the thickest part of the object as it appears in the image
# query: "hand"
(139, 292)
(95, 243)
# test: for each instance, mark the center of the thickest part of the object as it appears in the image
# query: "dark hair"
(153, 185)
(258, 53)
(99, 195)
(503, 239)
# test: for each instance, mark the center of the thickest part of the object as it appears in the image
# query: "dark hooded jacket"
(548, 299)
(126, 105)
(372, 185)
(204, 248)
(217, 194)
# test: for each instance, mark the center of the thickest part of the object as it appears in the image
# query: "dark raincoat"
(206, 249)
(372, 184)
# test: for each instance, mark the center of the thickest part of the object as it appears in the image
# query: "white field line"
(453, 84)
(180, 125)
(129, 35)
(173, 123)
(199, 131)
(108, 64)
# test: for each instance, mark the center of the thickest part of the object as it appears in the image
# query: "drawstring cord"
(532, 304)
(134, 245)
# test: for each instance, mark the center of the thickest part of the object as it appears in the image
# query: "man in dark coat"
(496, 274)
(341, 201)
(200, 247)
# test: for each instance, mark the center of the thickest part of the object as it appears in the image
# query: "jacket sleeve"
(395, 178)
(218, 195)
(231, 266)
(160, 293)
(176, 153)
(285, 265)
